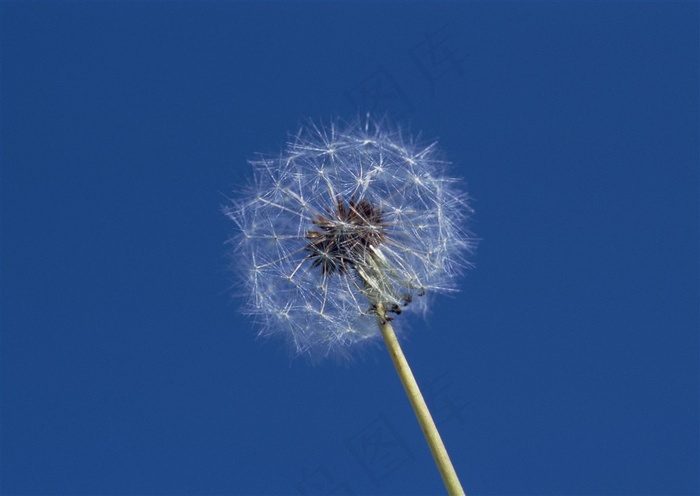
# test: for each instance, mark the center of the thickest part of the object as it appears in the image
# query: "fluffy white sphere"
(344, 218)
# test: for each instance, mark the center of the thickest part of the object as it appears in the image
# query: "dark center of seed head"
(342, 238)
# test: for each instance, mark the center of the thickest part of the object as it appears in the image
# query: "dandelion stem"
(432, 436)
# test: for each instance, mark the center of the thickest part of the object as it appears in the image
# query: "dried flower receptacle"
(344, 236)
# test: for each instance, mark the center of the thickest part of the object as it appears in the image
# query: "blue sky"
(567, 364)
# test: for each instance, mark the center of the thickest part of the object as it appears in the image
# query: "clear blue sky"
(567, 364)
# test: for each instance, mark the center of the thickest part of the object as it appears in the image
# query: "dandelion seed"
(345, 230)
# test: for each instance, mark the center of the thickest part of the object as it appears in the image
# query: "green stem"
(432, 436)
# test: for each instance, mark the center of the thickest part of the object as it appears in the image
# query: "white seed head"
(343, 219)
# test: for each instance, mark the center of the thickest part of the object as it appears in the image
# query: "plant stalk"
(432, 436)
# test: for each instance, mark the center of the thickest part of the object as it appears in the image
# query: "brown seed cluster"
(345, 235)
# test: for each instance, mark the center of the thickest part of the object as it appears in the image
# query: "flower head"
(345, 219)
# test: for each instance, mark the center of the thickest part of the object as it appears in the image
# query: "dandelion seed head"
(343, 219)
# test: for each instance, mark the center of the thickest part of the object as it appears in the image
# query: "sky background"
(569, 361)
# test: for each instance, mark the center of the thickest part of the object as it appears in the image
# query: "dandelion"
(346, 229)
